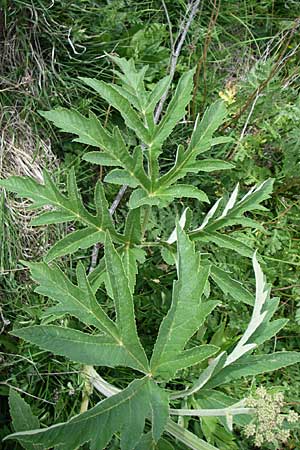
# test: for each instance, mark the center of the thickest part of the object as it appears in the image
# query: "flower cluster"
(269, 424)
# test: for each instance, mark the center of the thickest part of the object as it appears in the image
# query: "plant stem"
(211, 412)
(186, 437)
(87, 388)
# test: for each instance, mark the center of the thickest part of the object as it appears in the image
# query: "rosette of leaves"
(141, 413)
(115, 342)
(139, 167)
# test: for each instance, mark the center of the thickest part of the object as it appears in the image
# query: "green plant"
(140, 413)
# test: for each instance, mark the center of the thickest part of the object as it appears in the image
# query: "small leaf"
(89, 130)
(230, 286)
(84, 238)
(223, 241)
(101, 158)
(182, 222)
(181, 190)
(139, 198)
(114, 98)
(130, 256)
(119, 176)
(212, 119)
(186, 437)
(254, 365)
(133, 227)
(22, 417)
(209, 165)
(176, 108)
(156, 94)
(267, 330)
(188, 358)
(96, 277)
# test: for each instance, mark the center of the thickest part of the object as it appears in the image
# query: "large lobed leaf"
(187, 313)
(125, 412)
(136, 105)
(118, 345)
(65, 208)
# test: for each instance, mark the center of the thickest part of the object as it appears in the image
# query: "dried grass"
(22, 153)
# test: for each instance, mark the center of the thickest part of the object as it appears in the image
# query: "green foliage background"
(45, 47)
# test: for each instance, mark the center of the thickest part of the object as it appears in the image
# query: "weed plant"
(269, 147)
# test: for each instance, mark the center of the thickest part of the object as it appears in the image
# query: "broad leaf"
(186, 313)
(80, 347)
(125, 412)
(119, 346)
